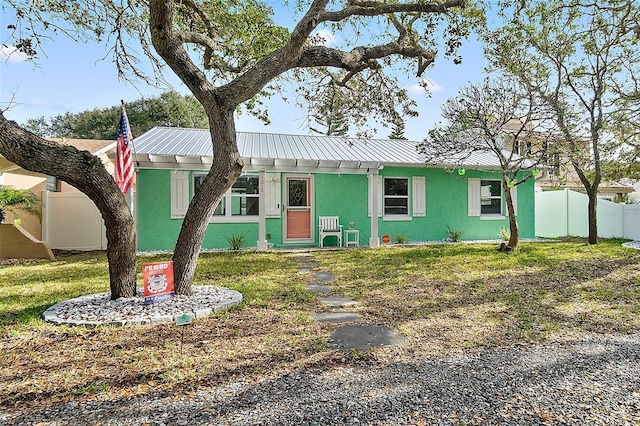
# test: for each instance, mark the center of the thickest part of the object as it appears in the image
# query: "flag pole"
(130, 200)
(133, 147)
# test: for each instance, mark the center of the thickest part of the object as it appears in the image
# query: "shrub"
(454, 236)
(236, 242)
(505, 233)
(12, 200)
(399, 239)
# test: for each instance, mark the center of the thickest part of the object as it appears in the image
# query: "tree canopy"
(582, 60)
(232, 53)
(499, 116)
(169, 109)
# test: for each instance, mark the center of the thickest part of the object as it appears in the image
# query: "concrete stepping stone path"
(337, 301)
(337, 317)
(347, 336)
(364, 337)
(319, 288)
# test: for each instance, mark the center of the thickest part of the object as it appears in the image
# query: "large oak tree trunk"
(225, 170)
(86, 172)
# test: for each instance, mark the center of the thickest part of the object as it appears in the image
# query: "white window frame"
(500, 197)
(385, 215)
(228, 217)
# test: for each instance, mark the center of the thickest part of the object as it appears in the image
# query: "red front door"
(298, 209)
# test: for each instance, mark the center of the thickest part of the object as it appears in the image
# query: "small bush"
(399, 239)
(236, 242)
(505, 233)
(454, 236)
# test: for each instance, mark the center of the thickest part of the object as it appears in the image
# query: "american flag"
(124, 158)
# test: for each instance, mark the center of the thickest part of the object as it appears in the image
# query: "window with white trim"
(53, 185)
(490, 197)
(243, 199)
(396, 196)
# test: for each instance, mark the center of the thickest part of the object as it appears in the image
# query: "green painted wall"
(447, 200)
(156, 229)
(346, 196)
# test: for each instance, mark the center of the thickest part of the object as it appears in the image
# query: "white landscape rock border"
(632, 244)
(98, 309)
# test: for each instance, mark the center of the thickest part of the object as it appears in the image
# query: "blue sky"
(75, 76)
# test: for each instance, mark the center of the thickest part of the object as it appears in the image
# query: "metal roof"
(168, 146)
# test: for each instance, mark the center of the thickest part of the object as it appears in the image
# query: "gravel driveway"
(594, 381)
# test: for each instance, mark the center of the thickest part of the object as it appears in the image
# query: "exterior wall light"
(461, 172)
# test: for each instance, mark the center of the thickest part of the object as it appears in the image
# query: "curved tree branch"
(87, 173)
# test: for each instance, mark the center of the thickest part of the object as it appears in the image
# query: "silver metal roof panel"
(173, 141)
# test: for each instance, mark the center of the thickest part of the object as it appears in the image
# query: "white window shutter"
(474, 197)
(514, 200)
(272, 194)
(419, 196)
(379, 179)
(179, 194)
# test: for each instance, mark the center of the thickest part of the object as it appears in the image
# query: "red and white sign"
(158, 282)
(386, 239)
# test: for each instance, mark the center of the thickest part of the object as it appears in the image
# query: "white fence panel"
(72, 222)
(631, 221)
(577, 214)
(551, 214)
(610, 219)
(565, 213)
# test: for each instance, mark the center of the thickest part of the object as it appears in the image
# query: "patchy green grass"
(442, 298)
(467, 295)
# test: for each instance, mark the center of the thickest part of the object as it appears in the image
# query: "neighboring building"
(612, 191)
(16, 177)
(289, 181)
(558, 173)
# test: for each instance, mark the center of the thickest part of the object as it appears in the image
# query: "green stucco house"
(380, 186)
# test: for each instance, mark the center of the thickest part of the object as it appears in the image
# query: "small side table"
(352, 236)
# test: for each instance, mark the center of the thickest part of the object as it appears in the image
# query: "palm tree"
(14, 200)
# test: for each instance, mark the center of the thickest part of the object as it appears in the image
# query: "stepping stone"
(304, 268)
(364, 337)
(325, 277)
(337, 301)
(299, 256)
(318, 288)
(337, 317)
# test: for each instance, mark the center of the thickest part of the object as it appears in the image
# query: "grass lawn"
(441, 298)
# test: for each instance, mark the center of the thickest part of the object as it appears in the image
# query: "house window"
(396, 196)
(490, 197)
(243, 199)
(52, 184)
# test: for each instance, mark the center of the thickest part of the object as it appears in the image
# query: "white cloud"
(323, 37)
(419, 87)
(12, 54)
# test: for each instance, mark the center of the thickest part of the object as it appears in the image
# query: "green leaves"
(16, 200)
(169, 109)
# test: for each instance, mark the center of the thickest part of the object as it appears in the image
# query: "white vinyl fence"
(70, 221)
(564, 213)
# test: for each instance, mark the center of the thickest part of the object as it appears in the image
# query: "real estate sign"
(158, 282)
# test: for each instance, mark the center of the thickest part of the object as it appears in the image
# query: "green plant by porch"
(16, 200)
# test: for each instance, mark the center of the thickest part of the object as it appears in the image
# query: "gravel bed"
(593, 381)
(99, 309)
